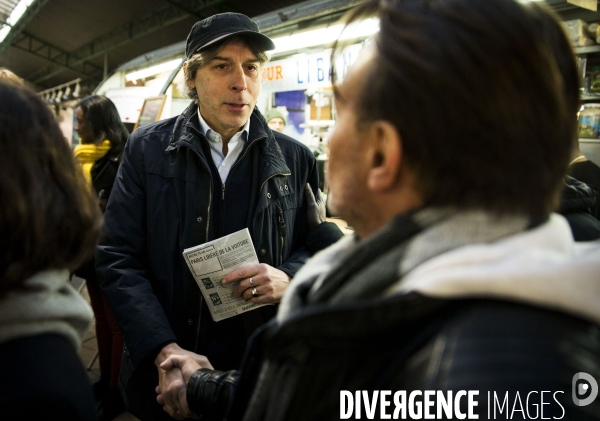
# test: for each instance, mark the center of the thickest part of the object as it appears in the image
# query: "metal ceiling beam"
(16, 30)
(55, 55)
(194, 7)
(153, 21)
(302, 11)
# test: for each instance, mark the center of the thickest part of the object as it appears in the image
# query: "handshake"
(175, 367)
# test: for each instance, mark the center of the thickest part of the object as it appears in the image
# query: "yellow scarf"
(88, 154)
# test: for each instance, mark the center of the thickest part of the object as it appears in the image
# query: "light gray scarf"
(355, 269)
(47, 304)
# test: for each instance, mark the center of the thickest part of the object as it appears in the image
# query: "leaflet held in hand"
(211, 262)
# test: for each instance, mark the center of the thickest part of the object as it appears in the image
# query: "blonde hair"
(7, 74)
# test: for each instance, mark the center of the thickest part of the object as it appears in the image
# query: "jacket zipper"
(211, 185)
(282, 233)
(242, 157)
(207, 225)
(246, 151)
(223, 196)
(281, 221)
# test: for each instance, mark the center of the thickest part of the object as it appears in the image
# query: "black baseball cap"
(218, 27)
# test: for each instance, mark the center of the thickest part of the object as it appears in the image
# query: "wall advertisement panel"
(306, 71)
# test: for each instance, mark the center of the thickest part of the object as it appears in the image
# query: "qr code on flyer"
(215, 299)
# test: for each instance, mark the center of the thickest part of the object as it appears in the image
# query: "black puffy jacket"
(576, 200)
(515, 314)
(296, 371)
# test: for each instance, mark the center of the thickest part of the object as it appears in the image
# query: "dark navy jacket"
(43, 379)
(161, 204)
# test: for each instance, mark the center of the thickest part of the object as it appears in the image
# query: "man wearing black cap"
(214, 170)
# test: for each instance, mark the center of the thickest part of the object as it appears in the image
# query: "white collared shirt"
(215, 140)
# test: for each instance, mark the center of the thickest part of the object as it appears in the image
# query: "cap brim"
(267, 42)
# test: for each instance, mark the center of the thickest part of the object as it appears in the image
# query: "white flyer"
(211, 262)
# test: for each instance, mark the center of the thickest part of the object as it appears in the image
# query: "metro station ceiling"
(58, 41)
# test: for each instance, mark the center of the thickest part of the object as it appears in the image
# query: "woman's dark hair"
(484, 94)
(103, 118)
(48, 217)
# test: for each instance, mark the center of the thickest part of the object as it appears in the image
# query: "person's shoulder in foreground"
(54, 379)
(49, 226)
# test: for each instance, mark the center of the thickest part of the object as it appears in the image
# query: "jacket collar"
(114, 154)
(187, 132)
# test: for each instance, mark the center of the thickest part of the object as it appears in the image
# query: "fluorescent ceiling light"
(154, 70)
(14, 17)
(324, 36)
(4, 32)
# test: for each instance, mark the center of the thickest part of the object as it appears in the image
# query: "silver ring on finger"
(254, 293)
(251, 283)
